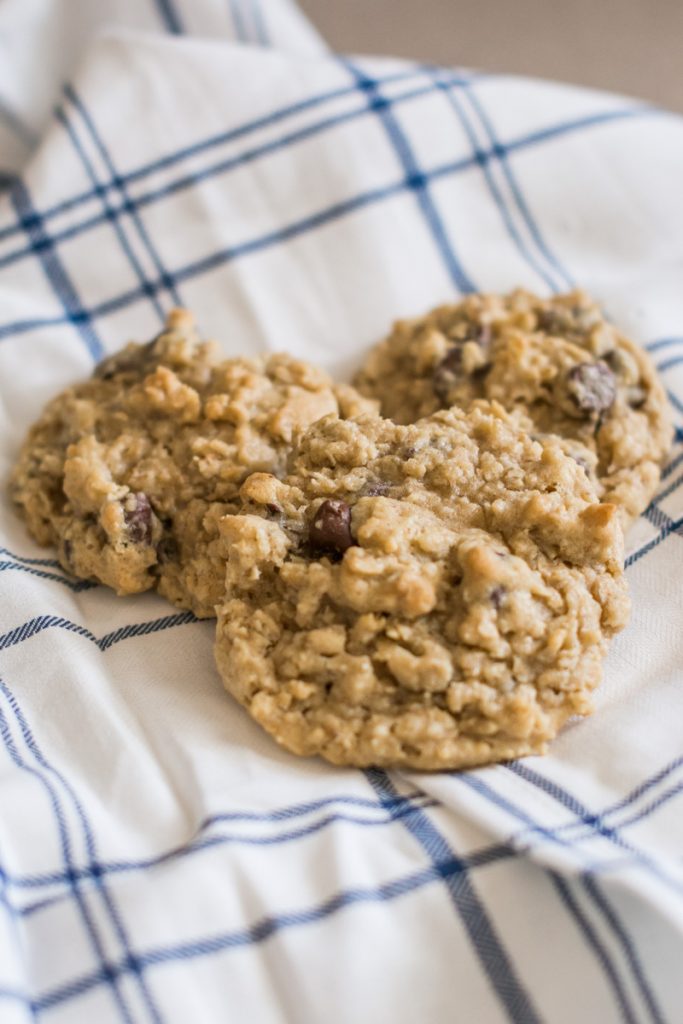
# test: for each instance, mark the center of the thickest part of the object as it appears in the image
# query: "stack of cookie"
(432, 585)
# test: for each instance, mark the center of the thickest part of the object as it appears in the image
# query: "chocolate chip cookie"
(556, 361)
(435, 596)
(128, 473)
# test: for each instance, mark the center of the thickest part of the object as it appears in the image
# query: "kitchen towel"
(161, 859)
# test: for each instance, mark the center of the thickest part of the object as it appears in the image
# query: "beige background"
(630, 46)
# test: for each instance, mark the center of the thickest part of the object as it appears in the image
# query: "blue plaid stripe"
(268, 927)
(7, 993)
(192, 180)
(114, 220)
(394, 811)
(668, 364)
(297, 228)
(669, 528)
(566, 894)
(127, 206)
(76, 891)
(487, 167)
(213, 141)
(259, 20)
(596, 823)
(445, 867)
(591, 886)
(46, 772)
(111, 971)
(40, 567)
(42, 622)
(522, 142)
(170, 18)
(489, 793)
(238, 21)
(631, 957)
(673, 465)
(493, 957)
(568, 835)
(415, 179)
(675, 401)
(566, 800)
(661, 343)
(60, 282)
(263, 930)
(248, 21)
(522, 204)
(50, 563)
(76, 586)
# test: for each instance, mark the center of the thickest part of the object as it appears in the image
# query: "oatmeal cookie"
(435, 596)
(556, 361)
(127, 473)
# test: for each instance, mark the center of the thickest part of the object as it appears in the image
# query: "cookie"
(556, 361)
(433, 596)
(127, 473)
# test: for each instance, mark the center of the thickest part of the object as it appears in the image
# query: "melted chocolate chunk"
(126, 361)
(636, 397)
(591, 388)
(331, 527)
(139, 518)
(449, 369)
(167, 549)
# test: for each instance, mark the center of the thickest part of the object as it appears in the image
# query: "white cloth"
(160, 858)
(42, 41)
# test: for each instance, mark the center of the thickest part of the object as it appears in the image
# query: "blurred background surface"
(628, 46)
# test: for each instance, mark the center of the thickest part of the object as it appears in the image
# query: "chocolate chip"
(138, 517)
(446, 373)
(497, 596)
(131, 359)
(470, 330)
(591, 388)
(636, 397)
(331, 527)
(167, 549)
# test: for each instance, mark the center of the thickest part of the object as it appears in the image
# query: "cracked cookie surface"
(127, 473)
(435, 596)
(556, 361)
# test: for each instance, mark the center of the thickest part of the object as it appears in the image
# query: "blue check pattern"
(419, 179)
